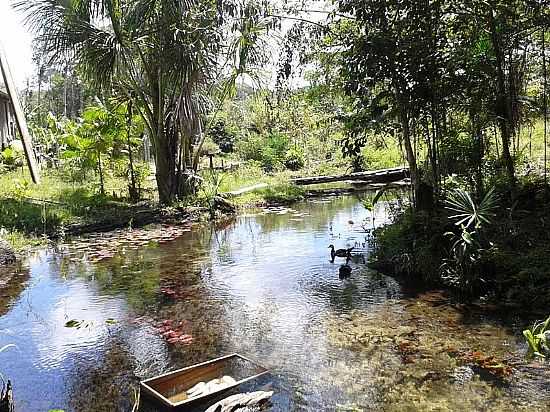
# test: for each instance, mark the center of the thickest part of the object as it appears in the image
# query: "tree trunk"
(479, 147)
(411, 157)
(6, 398)
(100, 170)
(134, 194)
(166, 172)
(503, 109)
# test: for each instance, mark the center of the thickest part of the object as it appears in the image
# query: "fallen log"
(312, 193)
(374, 176)
(245, 190)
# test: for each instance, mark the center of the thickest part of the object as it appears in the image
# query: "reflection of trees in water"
(138, 274)
(320, 213)
(365, 288)
(13, 280)
(312, 216)
(107, 384)
(219, 322)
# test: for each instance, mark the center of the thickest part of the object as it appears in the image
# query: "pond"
(88, 321)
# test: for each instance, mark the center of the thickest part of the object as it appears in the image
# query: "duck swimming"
(339, 252)
(345, 270)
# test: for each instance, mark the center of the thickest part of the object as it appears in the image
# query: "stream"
(85, 320)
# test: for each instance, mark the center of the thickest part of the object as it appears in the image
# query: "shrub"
(269, 151)
(208, 146)
(457, 155)
(12, 155)
(381, 158)
(294, 159)
(222, 136)
(250, 148)
(283, 193)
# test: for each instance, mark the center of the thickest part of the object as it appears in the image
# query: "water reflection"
(262, 285)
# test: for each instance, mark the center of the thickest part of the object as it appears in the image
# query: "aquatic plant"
(538, 339)
(210, 189)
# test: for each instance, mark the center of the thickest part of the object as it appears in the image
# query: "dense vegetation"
(163, 111)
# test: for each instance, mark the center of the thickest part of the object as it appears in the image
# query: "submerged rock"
(7, 256)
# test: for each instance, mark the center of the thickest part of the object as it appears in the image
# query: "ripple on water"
(264, 287)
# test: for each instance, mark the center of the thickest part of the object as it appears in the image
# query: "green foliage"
(210, 189)
(538, 339)
(457, 154)
(282, 193)
(410, 245)
(294, 159)
(462, 267)
(307, 125)
(270, 151)
(383, 156)
(222, 136)
(469, 214)
(12, 156)
(141, 51)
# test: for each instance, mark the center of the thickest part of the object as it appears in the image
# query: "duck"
(339, 252)
(345, 270)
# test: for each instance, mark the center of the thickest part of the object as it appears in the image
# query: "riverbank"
(33, 215)
(372, 344)
(508, 263)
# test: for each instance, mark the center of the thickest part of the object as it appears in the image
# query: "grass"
(20, 241)
(29, 212)
(279, 189)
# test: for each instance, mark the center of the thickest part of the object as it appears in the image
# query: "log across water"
(374, 176)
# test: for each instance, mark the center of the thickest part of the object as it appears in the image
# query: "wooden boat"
(171, 388)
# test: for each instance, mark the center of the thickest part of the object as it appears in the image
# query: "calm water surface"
(262, 286)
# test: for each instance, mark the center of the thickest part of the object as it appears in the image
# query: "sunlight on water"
(263, 286)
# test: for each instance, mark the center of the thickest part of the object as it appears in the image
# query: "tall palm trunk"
(165, 170)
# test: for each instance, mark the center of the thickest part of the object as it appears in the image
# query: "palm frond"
(70, 30)
(467, 212)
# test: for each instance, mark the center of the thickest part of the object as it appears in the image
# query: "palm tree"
(164, 55)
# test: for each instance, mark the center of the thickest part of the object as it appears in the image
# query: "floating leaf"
(73, 323)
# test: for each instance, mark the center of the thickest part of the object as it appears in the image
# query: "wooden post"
(19, 117)
(6, 398)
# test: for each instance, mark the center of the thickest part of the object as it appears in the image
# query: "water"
(263, 286)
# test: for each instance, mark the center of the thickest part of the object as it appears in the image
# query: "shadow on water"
(263, 286)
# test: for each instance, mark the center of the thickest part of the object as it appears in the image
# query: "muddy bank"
(138, 217)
